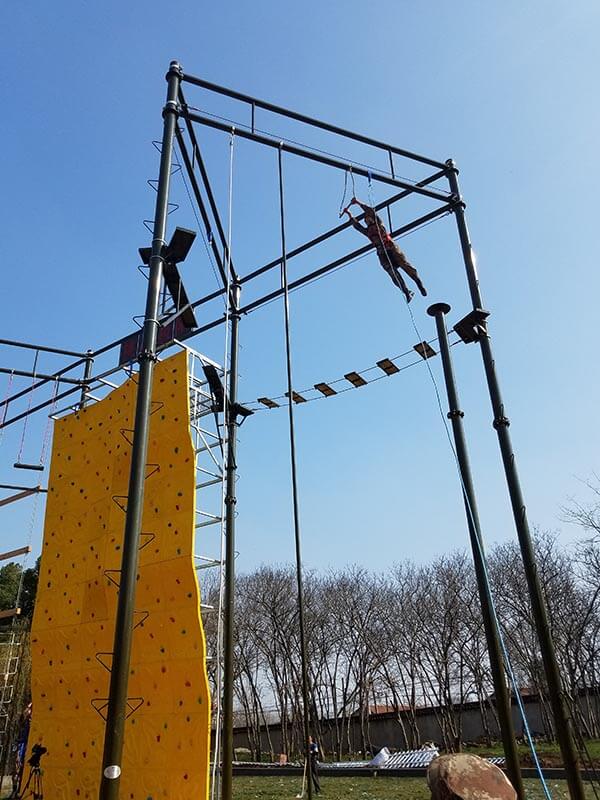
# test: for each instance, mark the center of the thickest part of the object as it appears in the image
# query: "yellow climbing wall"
(167, 733)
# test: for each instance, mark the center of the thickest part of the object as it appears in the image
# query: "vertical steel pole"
(87, 374)
(492, 634)
(562, 720)
(229, 598)
(117, 700)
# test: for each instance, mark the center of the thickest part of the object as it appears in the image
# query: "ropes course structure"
(165, 326)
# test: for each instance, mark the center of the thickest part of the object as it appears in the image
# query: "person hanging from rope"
(391, 257)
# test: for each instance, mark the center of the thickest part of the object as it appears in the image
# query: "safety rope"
(295, 502)
(507, 661)
(205, 241)
(342, 206)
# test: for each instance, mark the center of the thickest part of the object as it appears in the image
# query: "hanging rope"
(22, 444)
(48, 429)
(343, 207)
(507, 661)
(5, 404)
(219, 654)
(296, 510)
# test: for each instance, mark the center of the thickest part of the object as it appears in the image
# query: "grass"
(277, 788)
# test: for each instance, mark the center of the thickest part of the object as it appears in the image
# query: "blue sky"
(507, 89)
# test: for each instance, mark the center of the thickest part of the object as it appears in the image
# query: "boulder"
(461, 776)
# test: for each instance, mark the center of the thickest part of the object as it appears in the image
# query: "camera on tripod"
(37, 751)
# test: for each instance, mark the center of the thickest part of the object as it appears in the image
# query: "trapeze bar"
(25, 374)
(285, 112)
(34, 467)
(327, 160)
(42, 348)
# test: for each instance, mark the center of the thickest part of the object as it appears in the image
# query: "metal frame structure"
(181, 122)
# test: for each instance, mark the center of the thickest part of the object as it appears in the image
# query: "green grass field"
(366, 789)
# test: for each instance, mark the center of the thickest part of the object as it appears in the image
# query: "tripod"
(34, 787)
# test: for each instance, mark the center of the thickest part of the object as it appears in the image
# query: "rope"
(507, 661)
(5, 404)
(296, 514)
(47, 431)
(198, 222)
(370, 167)
(20, 453)
(342, 206)
(219, 654)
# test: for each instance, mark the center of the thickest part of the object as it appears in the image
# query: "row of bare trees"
(409, 638)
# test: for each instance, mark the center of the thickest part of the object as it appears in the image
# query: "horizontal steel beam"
(41, 347)
(338, 229)
(14, 488)
(316, 123)
(21, 373)
(312, 156)
(42, 382)
(39, 407)
(21, 551)
(5, 501)
(318, 273)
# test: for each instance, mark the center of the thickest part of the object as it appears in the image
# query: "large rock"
(461, 776)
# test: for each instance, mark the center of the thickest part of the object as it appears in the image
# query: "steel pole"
(562, 719)
(229, 595)
(119, 677)
(490, 624)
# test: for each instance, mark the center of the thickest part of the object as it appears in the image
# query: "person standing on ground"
(391, 257)
(313, 764)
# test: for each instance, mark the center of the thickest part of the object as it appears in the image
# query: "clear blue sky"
(507, 89)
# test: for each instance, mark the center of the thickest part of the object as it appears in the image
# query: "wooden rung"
(14, 553)
(10, 612)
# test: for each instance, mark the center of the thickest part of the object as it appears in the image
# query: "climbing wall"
(167, 732)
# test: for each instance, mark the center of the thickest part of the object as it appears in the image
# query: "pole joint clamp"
(456, 414)
(171, 107)
(148, 355)
(501, 422)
